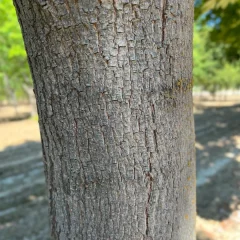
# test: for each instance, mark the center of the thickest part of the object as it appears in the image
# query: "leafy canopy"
(211, 69)
(224, 18)
(14, 71)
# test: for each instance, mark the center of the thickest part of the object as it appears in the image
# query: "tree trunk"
(113, 83)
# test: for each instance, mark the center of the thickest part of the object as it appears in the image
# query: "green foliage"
(14, 71)
(224, 17)
(211, 70)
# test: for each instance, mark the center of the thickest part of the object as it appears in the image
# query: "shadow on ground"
(23, 201)
(218, 169)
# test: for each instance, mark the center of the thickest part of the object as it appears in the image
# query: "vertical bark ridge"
(113, 86)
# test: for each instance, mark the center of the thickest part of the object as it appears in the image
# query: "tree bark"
(113, 83)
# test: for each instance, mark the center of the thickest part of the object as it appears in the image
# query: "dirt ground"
(218, 170)
(23, 201)
(18, 132)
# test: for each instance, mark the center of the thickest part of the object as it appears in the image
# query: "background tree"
(113, 84)
(14, 70)
(224, 17)
(212, 71)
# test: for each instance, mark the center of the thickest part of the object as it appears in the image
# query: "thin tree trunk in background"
(113, 83)
(11, 94)
(31, 99)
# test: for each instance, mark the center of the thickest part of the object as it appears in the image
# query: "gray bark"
(113, 83)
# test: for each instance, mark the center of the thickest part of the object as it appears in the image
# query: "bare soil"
(15, 133)
(23, 200)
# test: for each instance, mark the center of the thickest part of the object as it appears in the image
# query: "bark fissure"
(164, 19)
(150, 185)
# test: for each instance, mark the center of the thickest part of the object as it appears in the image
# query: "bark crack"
(150, 183)
(164, 18)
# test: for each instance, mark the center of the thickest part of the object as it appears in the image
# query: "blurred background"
(23, 201)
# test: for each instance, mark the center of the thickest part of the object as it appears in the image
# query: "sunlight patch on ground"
(204, 175)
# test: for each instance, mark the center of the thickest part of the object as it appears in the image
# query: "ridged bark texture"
(113, 82)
